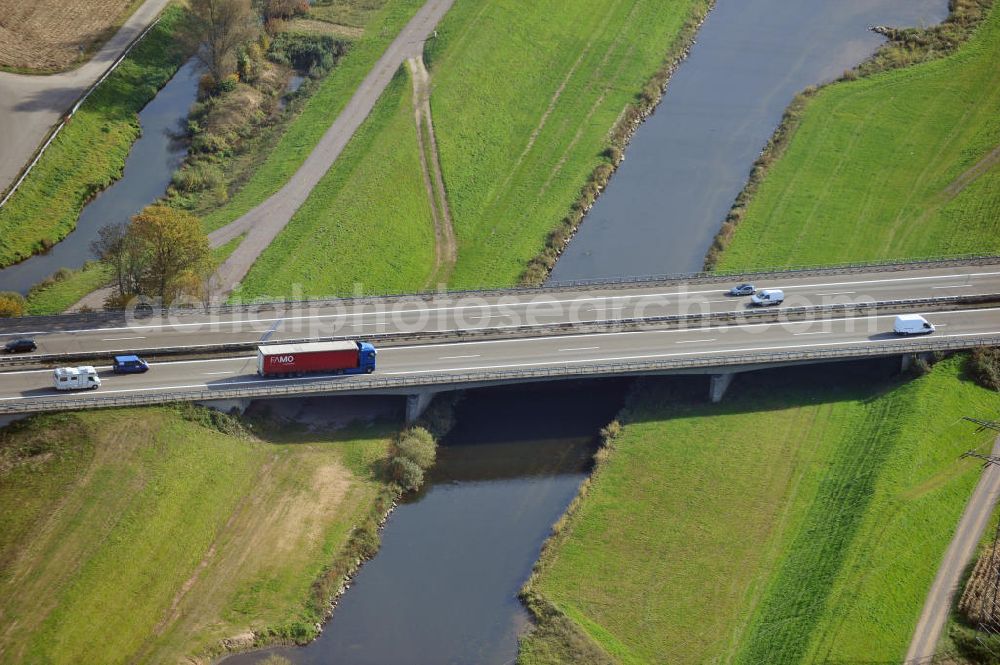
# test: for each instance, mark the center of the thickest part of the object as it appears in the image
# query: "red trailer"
(342, 357)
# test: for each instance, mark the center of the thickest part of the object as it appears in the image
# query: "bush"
(227, 84)
(306, 53)
(417, 445)
(406, 473)
(197, 177)
(12, 304)
(986, 367)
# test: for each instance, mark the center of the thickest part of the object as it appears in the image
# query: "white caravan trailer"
(76, 378)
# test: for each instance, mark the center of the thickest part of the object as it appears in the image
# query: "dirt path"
(31, 105)
(445, 247)
(262, 224)
(959, 553)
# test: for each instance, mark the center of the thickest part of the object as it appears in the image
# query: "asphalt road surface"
(31, 105)
(464, 312)
(523, 353)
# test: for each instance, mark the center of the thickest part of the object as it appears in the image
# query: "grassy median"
(901, 164)
(368, 221)
(149, 535)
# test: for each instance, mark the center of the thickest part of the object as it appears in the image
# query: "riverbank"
(813, 545)
(90, 152)
(885, 166)
(800, 495)
(155, 534)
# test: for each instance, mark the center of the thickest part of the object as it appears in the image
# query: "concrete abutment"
(718, 385)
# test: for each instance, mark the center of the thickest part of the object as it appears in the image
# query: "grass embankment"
(149, 535)
(778, 526)
(330, 97)
(89, 153)
(367, 222)
(525, 95)
(900, 164)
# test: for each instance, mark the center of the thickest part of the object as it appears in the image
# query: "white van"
(76, 378)
(768, 297)
(912, 324)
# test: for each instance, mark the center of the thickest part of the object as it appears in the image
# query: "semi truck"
(342, 357)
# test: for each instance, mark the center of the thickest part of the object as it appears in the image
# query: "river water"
(150, 164)
(686, 164)
(443, 587)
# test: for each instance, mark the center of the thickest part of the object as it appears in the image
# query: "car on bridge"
(129, 365)
(742, 290)
(21, 345)
(912, 324)
(768, 297)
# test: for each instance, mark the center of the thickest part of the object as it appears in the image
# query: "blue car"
(129, 365)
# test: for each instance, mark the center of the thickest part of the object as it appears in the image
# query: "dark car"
(742, 290)
(129, 365)
(20, 345)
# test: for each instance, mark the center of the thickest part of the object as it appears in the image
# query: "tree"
(418, 445)
(217, 29)
(174, 248)
(117, 249)
(162, 252)
(12, 304)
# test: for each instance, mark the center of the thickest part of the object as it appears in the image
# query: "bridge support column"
(226, 405)
(906, 362)
(718, 386)
(417, 403)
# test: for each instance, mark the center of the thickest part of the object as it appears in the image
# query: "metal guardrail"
(732, 317)
(374, 383)
(564, 287)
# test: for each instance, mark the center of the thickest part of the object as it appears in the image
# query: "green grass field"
(148, 536)
(778, 526)
(89, 154)
(319, 112)
(902, 164)
(525, 94)
(367, 222)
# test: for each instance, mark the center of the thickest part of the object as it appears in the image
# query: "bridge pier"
(907, 359)
(417, 403)
(718, 385)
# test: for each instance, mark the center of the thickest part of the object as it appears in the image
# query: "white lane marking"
(118, 339)
(241, 322)
(694, 341)
(214, 373)
(956, 286)
(723, 328)
(511, 366)
(582, 348)
(818, 332)
(667, 355)
(836, 293)
(457, 357)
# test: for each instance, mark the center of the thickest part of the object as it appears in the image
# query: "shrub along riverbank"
(89, 153)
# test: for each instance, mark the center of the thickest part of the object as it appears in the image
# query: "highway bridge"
(434, 342)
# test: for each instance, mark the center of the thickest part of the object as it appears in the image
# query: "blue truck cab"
(129, 365)
(366, 357)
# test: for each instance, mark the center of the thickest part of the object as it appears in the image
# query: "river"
(148, 169)
(443, 587)
(686, 163)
